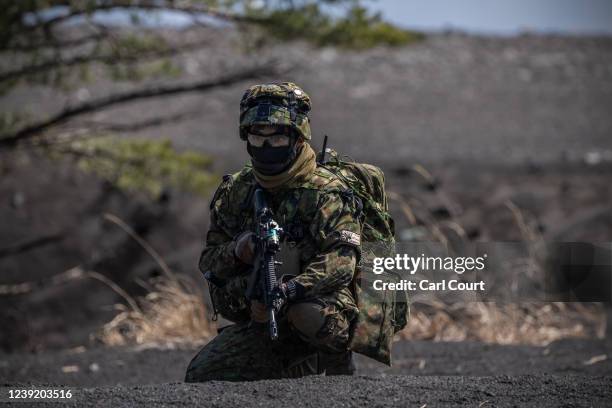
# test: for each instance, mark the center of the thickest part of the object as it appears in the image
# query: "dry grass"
(173, 313)
(530, 323)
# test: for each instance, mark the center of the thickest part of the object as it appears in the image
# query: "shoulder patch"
(350, 237)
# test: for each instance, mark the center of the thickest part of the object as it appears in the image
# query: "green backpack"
(381, 313)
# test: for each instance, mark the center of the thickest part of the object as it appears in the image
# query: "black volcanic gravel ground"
(438, 374)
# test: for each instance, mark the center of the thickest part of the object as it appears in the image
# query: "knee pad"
(307, 319)
(322, 326)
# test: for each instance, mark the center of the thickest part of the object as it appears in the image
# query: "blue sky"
(500, 16)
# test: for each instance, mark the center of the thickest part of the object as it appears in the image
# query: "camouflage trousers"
(244, 352)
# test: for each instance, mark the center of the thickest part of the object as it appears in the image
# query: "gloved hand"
(258, 310)
(245, 247)
(280, 292)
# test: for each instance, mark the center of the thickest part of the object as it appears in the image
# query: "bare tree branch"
(61, 141)
(139, 5)
(105, 59)
(10, 140)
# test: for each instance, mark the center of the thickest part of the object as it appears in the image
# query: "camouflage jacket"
(318, 213)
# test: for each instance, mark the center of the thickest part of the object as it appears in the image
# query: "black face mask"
(272, 160)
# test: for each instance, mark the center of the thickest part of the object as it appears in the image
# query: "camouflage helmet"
(275, 104)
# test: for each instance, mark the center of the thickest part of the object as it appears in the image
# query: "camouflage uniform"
(319, 213)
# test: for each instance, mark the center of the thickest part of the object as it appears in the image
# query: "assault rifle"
(263, 286)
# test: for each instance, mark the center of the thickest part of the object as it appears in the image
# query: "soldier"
(320, 216)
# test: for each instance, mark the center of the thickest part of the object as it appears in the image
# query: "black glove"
(279, 294)
(290, 290)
